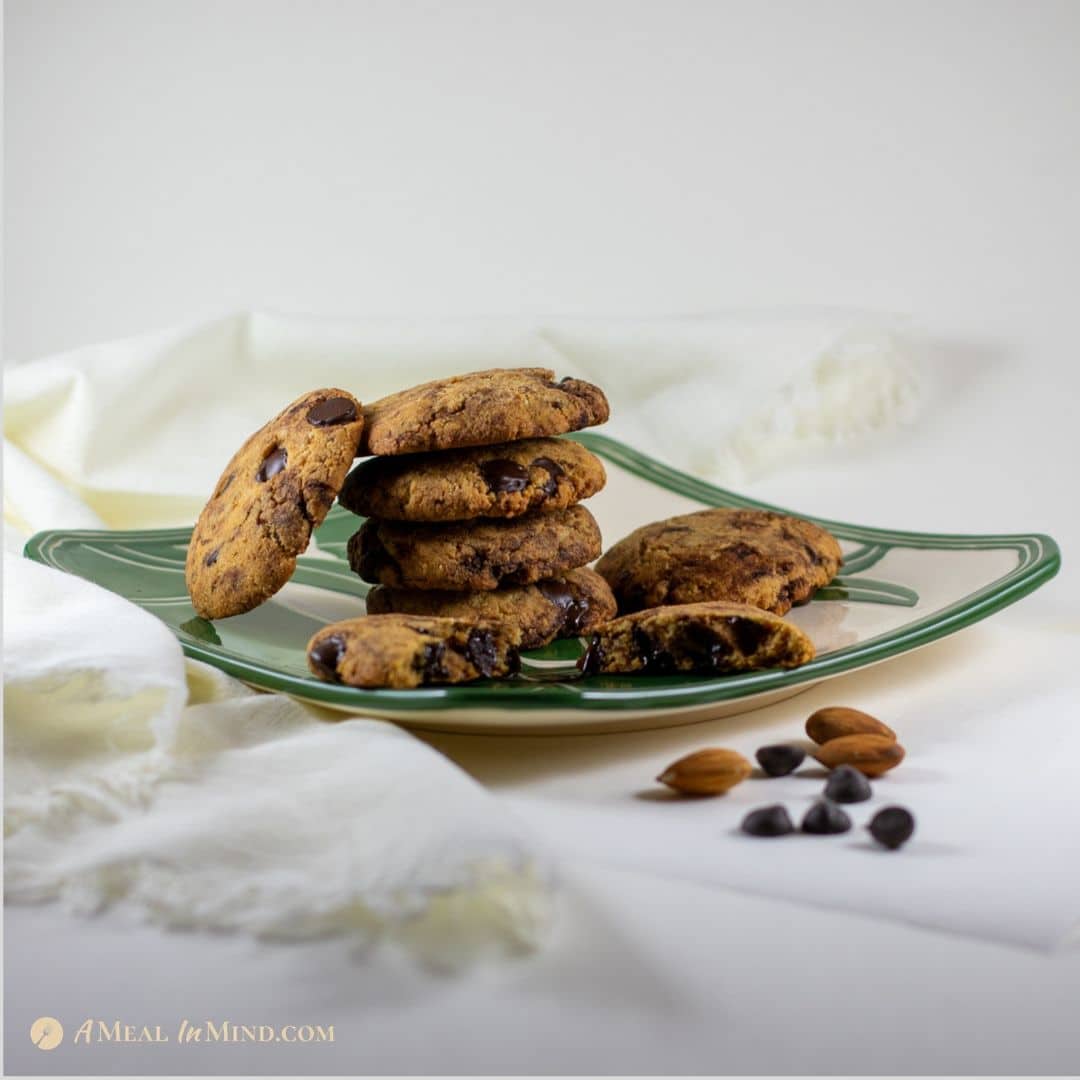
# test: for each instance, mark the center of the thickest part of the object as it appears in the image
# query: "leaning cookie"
(475, 555)
(742, 556)
(479, 409)
(687, 638)
(569, 605)
(403, 651)
(501, 481)
(277, 488)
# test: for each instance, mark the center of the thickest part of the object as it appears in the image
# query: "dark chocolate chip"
(847, 785)
(701, 646)
(272, 464)
(748, 634)
(431, 661)
(335, 410)
(892, 827)
(504, 476)
(325, 655)
(574, 608)
(780, 760)
(825, 819)
(592, 659)
(655, 659)
(212, 557)
(482, 652)
(768, 821)
(554, 471)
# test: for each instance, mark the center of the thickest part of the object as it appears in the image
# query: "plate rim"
(1039, 555)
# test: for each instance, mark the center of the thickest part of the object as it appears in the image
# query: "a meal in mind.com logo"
(46, 1033)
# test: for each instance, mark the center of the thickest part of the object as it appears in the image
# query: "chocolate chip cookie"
(708, 637)
(754, 557)
(480, 409)
(501, 481)
(565, 606)
(276, 489)
(403, 651)
(476, 555)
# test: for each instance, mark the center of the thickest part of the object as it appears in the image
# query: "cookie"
(403, 651)
(480, 409)
(474, 556)
(704, 638)
(277, 488)
(501, 481)
(754, 557)
(566, 606)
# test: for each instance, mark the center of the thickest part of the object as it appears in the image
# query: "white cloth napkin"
(134, 433)
(186, 798)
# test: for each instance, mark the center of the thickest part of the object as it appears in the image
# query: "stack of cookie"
(473, 504)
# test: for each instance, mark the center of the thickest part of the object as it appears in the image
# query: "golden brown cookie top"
(696, 638)
(404, 651)
(278, 487)
(748, 556)
(500, 481)
(474, 555)
(479, 409)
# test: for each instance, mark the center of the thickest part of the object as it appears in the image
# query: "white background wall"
(169, 159)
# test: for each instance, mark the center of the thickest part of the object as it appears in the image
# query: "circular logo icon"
(46, 1033)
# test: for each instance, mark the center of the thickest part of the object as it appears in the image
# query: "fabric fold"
(177, 794)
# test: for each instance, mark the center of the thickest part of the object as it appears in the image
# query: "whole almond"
(872, 755)
(706, 772)
(836, 721)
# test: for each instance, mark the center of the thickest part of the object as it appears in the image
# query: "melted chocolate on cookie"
(574, 608)
(335, 410)
(326, 656)
(272, 464)
(504, 476)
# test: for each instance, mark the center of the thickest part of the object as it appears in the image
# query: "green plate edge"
(1040, 560)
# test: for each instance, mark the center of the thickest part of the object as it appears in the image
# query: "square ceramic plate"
(896, 591)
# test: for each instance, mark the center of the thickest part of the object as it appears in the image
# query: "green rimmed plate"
(897, 591)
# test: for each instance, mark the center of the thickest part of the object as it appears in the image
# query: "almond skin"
(706, 772)
(836, 721)
(872, 755)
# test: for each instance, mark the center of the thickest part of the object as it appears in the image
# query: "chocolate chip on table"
(272, 464)
(554, 471)
(847, 785)
(781, 759)
(335, 410)
(824, 819)
(892, 827)
(504, 476)
(768, 821)
(326, 656)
